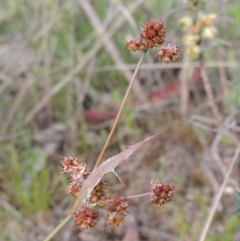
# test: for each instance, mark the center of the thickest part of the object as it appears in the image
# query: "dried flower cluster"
(85, 218)
(170, 53)
(117, 212)
(152, 35)
(161, 193)
(78, 171)
(99, 195)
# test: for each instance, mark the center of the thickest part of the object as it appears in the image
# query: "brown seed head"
(117, 212)
(170, 53)
(150, 43)
(115, 219)
(161, 193)
(69, 163)
(78, 171)
(73, 188)
(138, 41)
(143, 47)
(99, 193)
(154, 30)
(158, 40)
(152, 34)
(75, 166)
(85, 218)
(132, 45)
(94, 199)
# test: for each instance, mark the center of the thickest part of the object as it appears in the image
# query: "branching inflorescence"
(153, 35)
(86, 216)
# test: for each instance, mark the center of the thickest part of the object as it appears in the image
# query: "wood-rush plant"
(87, 186)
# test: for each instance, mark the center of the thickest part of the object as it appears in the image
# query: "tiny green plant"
(88, 187)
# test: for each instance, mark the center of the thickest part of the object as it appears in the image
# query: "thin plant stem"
(138, 195)
(127, 197)
(119, 112)
(79, 198)
(58, 228)
(218, 197)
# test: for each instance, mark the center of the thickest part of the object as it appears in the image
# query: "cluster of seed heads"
(117, 212)
(153, 35)
(85, 216)
(170, 53)
(78, 171)
(99, 194)
(161, 193)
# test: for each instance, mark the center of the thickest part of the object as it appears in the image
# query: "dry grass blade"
(151, 66)
(106, 167)
(109, 45)
(218, 197)
(184, 87)
(75, 70)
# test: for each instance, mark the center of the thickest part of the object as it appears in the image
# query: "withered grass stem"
(120, 111)
(58, 228)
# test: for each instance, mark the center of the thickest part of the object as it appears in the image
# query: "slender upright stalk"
(169, 53)
(58, 228)
(79, 198)
(218, 197)
(119, 112)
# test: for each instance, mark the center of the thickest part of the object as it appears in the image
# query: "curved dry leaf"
(108, 166)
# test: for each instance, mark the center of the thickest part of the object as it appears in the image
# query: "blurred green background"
(63, 73)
